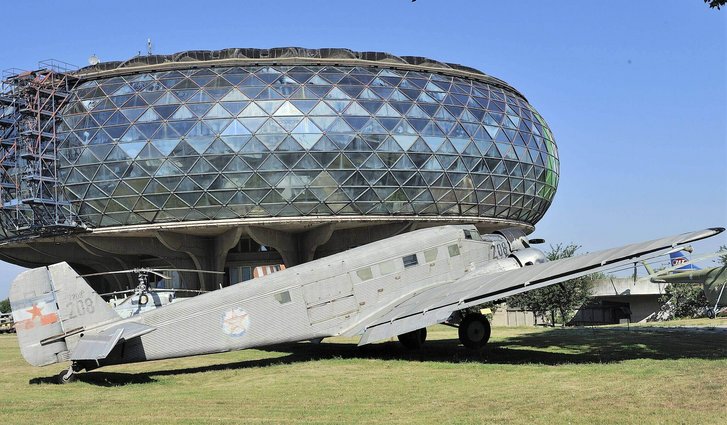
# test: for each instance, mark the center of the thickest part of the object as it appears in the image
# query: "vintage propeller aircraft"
(394, 287)
(682, 270)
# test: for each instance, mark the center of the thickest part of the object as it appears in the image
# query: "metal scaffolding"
(31, 200)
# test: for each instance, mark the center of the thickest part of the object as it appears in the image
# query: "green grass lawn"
(644, 375)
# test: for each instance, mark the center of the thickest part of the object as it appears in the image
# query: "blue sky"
(635, 92)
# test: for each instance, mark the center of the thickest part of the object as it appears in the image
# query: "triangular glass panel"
(217, 125)
(338, 105)
(287, 109)
(253, 124)
(235, 129)
(339, 126)
(373, 126)
(218, 147)
(270, 127)
(289, 122)
(324, 145)
(218, 111)
(253, 110)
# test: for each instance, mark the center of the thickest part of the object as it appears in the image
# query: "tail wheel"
(474, 331)
(413, 340)
(65, 378)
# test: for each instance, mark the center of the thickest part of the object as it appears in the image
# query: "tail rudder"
(680, 257)
(49, 303)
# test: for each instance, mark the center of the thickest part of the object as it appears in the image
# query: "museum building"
(224, 160)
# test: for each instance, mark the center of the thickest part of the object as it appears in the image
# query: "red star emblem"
(35, 311)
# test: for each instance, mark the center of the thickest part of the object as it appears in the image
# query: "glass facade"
(288, 141)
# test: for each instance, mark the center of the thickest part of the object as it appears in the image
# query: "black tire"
(61, 378)
(413, 340)
(711, 313)
(474, 331)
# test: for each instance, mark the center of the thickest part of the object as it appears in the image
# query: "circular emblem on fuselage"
(235, 322)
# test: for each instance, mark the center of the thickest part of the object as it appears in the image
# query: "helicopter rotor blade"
(107, 273)
(188, 270)
(158, 274)
(125, 291)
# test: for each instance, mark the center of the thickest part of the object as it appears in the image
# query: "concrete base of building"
(217, 245)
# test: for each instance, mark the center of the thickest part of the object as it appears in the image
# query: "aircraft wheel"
(474, 331)
(711, 313)
(64, 378)
(413, 340)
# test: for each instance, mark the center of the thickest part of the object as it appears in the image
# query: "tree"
(722, 259)
(5, 306)
(715, 4)
(686, 299)
(560, 299)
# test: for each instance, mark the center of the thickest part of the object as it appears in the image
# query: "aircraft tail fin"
(50, 303)
(680, 257)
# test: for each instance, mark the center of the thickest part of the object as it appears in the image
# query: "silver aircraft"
(394, 287)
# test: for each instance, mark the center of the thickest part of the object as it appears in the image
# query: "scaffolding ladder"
(31, 200)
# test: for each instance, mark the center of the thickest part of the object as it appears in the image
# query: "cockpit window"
(470, 234)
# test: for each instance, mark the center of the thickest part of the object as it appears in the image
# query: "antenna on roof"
(93, 59)
(148, 46)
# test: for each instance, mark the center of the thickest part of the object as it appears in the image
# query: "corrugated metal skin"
(196, 326)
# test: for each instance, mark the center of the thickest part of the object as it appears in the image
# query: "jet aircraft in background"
(393, 287)
(682, 271)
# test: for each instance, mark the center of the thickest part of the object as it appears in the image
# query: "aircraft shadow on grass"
(552, 347)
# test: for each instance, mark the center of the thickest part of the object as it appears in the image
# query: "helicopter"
(145, 298)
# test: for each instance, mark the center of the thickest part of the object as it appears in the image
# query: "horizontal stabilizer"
(99, 346)
(96, 347)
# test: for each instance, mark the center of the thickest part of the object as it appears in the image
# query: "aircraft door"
(329, 298)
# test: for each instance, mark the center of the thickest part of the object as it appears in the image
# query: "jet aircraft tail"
(50, 304)
(680, 257)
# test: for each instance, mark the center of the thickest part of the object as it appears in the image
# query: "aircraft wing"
(434, 304)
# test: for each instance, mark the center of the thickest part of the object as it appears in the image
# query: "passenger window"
(387, 267)
(410, 260)
(453, 250)
(467, 234)
(430, 255)
(365, 274)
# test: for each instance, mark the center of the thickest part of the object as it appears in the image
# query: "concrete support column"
(283, 242)
(312, 239)
(223, 244)
(207, 253)
(294, 248)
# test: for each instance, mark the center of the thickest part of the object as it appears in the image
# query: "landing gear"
(474, 331)
(68, 376)
(711, 313)
(413, 340)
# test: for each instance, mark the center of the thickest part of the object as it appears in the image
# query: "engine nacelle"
(515, 237)
(529, 256)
